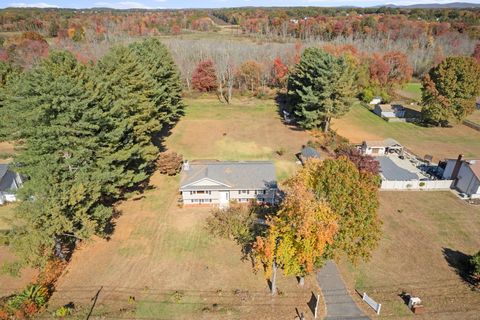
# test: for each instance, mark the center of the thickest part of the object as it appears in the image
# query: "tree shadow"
(460, 262)
(312, 303)
(284, 108)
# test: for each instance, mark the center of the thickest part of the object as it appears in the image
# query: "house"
(381, 148)
(376, 100)
(465, 175)
(308, 153)
(389, 111)
(9, 182)
(216, 183)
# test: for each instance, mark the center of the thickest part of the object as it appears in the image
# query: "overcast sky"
(155, 4)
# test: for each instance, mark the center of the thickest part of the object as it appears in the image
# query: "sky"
(175, 4)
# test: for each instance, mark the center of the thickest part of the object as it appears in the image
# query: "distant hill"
(452, 5)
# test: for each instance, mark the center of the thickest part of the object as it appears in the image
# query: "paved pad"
(338, 302)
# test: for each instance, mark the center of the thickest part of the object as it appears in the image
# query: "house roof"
(7, 178)
(389, 142)
(392, 172)
(228, 175)
(3, 170)
(309, 152)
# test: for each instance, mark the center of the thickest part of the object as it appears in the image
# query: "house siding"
(234, 195)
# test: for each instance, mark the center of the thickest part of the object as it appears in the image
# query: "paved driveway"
(339, 304)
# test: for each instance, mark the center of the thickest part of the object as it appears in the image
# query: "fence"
(416, 185)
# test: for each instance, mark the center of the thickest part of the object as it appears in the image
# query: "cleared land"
(411, 90)
(361, 124)
(248, 129)
(426, 238)
(158, 248)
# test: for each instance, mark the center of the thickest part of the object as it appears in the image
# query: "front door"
(224, 199)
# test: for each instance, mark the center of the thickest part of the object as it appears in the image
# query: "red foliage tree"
(279, 72)
(378, 69)
(364, 163)
(400, 70)
(204, 78)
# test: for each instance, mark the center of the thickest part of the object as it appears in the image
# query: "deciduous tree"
(204, 78)
(449, 90)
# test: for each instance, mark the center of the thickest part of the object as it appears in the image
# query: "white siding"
(467, 181)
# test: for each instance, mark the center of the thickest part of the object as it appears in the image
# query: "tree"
(279, 73)
(297, 235)
(169, 163)
(249, 75)
(320, 88)
(364, 163)
(352, 195)
(449, 90)
(399, 70)
(204, 78)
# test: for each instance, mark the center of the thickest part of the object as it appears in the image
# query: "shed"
(389, 110)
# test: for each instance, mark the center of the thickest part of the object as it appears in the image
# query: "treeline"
(328, 23)
(86, 135)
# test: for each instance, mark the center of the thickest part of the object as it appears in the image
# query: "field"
(248, 129)
(427, 236)
(6, 152)
(6, 214)
(163, 256)
(475, 117)
(361, 124)
(411, 90)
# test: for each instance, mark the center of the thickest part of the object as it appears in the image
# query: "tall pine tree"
(320, 88)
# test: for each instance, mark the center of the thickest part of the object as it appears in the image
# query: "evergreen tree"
(50, 109)
(449, 90)
(159, 65)
(320, 88)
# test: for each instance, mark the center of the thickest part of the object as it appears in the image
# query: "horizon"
(212, 4)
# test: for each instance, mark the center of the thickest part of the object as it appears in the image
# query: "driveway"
(338, 303)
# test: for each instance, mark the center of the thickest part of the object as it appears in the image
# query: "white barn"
(389, 111)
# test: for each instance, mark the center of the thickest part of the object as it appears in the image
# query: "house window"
(192, 192)
(244, 192)
(200, 192)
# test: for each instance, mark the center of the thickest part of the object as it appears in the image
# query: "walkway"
(339, 305)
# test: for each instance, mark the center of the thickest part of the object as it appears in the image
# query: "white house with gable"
(466, 175)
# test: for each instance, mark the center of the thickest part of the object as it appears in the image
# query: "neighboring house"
(216, 183)
(376, 100)
(9, 182)
(381, 148)
(389, 111)
(308, 153)
(466, 175)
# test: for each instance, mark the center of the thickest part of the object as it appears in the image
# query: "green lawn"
(361, 124)
(411, 90)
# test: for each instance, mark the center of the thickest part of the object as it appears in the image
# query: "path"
(338, 303)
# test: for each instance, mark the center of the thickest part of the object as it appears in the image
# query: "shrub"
(422, 184)
(475, 263)
(169, 163)
(5, 155)
(63, 312)
(281, 151)
(367, 95)
(34, 293)
(236, 222)
(11, 268)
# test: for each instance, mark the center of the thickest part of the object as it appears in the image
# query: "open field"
(157, 249)
(248, 129)
(6, 151)
(361, 124)
(426, 235)
(411, 90)
(6, 214)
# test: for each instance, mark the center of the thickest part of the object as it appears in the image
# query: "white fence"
(416, 185)
(372, 303)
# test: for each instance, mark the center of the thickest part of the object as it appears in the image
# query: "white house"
(466, 175)
(216, 183)
(381, 148)
(9, 182)
(389, 111)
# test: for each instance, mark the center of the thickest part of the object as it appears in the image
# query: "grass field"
(361, 124)
(6, 214)
(425, 235)
(475, 117)
(411, 90)
(248, 129)
(159, 249)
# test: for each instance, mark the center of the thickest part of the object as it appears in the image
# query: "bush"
(281, 151)
(11, 268)
(236, 222)
(367, 95)
(475, 263)
(169, 163)
(34, 293)
(63, 312)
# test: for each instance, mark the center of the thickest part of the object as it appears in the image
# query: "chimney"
(186, 165)
(456, 169)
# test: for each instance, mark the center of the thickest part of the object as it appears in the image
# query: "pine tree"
(159, 65)
(320, 88)
(449, 90)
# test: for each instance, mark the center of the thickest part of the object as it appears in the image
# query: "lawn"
(475, 117)
(6, 214)
(248, 129)
(162, 254)
(411, 90)
(426, 235)
(361, 124)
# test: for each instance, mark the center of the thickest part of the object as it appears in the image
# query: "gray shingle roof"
(235, 175)
(309, 152)
(3, 170)
(392, 172)
(7, 178)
